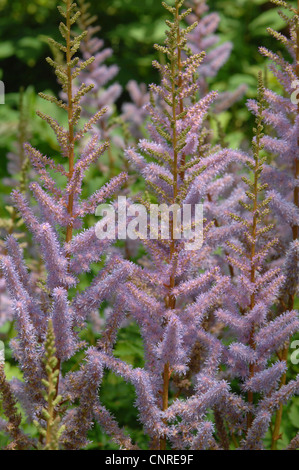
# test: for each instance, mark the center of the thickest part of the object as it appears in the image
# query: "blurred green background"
(130, 27)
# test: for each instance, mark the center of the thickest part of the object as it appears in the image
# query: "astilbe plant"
(105, 92)
(52, 430)
(282, 174)
(212, 316)
(18, 165)
(259, 332)
(169, 300)
(229, 188)
(66, 249)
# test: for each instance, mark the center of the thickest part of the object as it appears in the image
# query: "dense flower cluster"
(215, 320)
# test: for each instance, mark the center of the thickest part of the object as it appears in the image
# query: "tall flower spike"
(18, 169)
(282, 175)
(168, 162)
(54, 223)
(255, 289)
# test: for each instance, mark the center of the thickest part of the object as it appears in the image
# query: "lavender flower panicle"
(282, 175)
(56, 229)
(168, 302)
(215, 320)
(256, 288)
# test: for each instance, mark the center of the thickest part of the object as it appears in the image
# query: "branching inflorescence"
(66, 250)
(282, 175)
(213, 300)
(259, 334)
(170, 301)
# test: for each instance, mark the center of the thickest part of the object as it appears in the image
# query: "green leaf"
(6, 49)
(29, 50)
